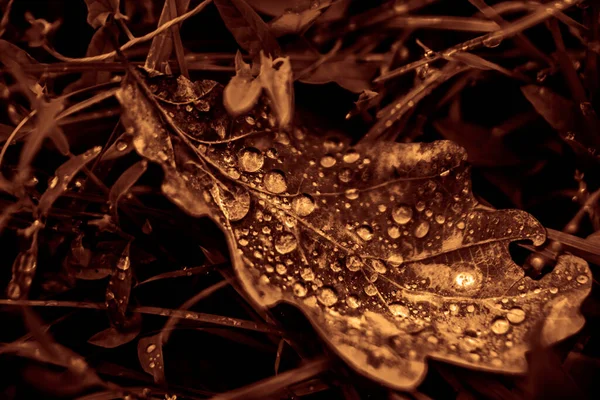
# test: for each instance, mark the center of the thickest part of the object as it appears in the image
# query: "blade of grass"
(507, 31)
(270, 386)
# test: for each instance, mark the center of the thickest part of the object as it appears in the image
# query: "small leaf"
(59, 184)
(118, 291)
(150, 354)
(23, 272)
(100, 10)
(111, 337)
(276, 8)
(276, 79)
(243, 90)
(558, 111)
(349, 74)
(125, 182)
(37, 34)
(248, 29)
(46, 126)
(293, 23)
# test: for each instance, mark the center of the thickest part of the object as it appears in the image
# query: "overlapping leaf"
(384, 248)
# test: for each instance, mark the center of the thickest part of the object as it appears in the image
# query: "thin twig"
(131, 43)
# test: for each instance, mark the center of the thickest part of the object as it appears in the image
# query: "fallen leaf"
(383, 246)
(246, 26)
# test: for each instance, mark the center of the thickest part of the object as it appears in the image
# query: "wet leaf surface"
(382, 246)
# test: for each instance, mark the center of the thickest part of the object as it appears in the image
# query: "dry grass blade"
(278, 383)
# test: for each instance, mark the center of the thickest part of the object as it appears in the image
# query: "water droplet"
(328, 161)
(307, 274)
(275, 181)
(327, 296)
(394, 232)
(492, 42)
(395, 260)
(233, 173)
(351, 156)
(286, 243)
(440, 219)
(251, 159)
(354, 263)
(353, 301)
(378, 266)
(281, 269)
(250, 120)
(345, 175)
(470, 308)
(422, 229)
(370, 290)
(500, 326)
(52, 184)
(460, 225)
(303, 205)
(464, 280)
(515, 315)
(272, 153)
(151, 347)
(351, 194)
(299, 289)
(402, 214)
(399, 310)
(365, 232)
(553, 290)
(121, 145)
(582, 279)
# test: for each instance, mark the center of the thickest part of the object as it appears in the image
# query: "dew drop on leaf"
(354, 263)
(303, 205)
(395, 260)
(285, 243)
(516, 315)
(582, 279)
(281, 269)
(394, 232)
(351, 156)
(500, 326)
(328, 161)
(345, 175)
(251, 159)
(399, 310)
(353, 301)
(307, 274)
(299, 289)
(370, 290)
(464, 280)
(327, 296)
(150, 348)
(351, 194)
(378, 266)
(275, 182)
(422, 229)
(365, 232)
(402, 214)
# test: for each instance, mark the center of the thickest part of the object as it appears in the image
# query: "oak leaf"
(383, 247)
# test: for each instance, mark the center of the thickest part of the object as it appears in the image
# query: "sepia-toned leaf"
(382, 246)
(246, 26)
(349, 74)
(125, 182)
(293, 23)
(59, 183)
(243, 90)
(151, 358)
(100, 10)
(112, 337)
